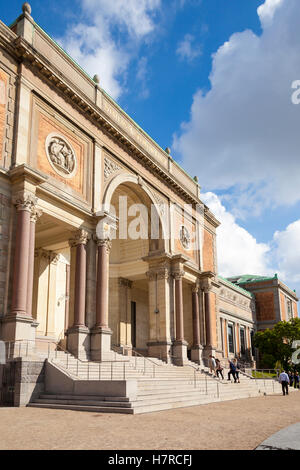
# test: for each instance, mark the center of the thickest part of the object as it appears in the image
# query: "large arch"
(129, 292)
(130, 178)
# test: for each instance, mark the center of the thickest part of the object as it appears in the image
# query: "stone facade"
(73, 271)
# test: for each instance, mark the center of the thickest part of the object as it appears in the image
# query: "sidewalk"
(286, 439)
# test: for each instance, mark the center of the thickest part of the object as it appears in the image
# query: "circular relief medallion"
(61, 155)
(185, 237)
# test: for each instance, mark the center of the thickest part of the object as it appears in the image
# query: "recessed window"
(242, 340)
(230, 339)
(289, 309)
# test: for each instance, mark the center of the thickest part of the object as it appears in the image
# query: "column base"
(197, 354)
(78, 341)
(160, 349)
(101, 344)
(19, 328)
(180, 353)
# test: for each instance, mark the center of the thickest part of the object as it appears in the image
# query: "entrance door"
(133, 324)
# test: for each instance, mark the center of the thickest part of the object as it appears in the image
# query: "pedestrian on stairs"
(219, 369)
(284, 380)
(232, 371)
(212, 365)
(237, 370)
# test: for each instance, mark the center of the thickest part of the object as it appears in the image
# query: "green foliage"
(276, 344)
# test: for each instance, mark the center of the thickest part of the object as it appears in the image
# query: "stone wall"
(22, 380)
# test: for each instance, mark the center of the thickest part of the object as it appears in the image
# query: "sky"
(213, 80)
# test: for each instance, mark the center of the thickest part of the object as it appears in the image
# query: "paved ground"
(238, 424)
(286, 439)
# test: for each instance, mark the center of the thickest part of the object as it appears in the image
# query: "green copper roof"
(236, 287)
(248, 278)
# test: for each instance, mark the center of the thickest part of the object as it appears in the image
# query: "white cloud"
(244, 133)
(108, 38)
(287, 252)
(240, 253)
(187, 49)
(142, 76)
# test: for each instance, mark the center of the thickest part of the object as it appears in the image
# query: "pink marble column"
(80, 279)
(196, 317)
(33, 219)
(104, 247)
(24, 204)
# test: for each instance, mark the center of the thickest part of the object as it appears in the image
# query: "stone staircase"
(153, 384)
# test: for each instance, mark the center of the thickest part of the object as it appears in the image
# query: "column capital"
(158, 273)
(105, 242)
(35, 215)
(178, 274)
(206, 285)
(25, 201)
(195, 288)
(81, 237)
(53, 257)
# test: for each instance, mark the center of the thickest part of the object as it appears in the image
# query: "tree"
(276, 344)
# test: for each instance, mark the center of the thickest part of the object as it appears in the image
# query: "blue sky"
(212, 80)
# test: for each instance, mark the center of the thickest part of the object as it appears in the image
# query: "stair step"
(95, 409)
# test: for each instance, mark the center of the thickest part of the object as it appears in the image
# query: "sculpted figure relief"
(61, 154)
(185, 237)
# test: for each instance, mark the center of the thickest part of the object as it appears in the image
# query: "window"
(230, 339)
(289, 309)
(252, 345)
(242, 340)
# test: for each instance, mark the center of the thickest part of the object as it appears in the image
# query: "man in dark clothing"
(232, 371)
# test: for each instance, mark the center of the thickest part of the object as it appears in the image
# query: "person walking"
(296, 379)
(232, 371)
(284, 380)
(237, 370)
(219, 369)
(291, 378)
(212, 365)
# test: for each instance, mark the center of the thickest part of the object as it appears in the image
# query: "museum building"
(72, 162)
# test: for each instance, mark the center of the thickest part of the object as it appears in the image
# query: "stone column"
(53, 259)
(101, 334)
(78, 335)
(124, 326)
(180, 345)
(159, 344)
(196, 353)
(33, 219)
(18, 324)
(24, 206)
(209, 342)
